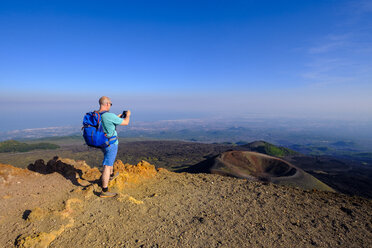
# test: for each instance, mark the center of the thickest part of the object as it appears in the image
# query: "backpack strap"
(111, 141)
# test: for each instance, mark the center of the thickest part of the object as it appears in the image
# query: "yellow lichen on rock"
(87, 173)
(37, 214)
(71, 205)
(82, 182)
(39, 240)
(131, 174)
(8, 171)
(135, 201)
(43, 239)
(88, 191)
(123, 198)
(91, 174)
(77, 164)
(143, 168)
(163, 170)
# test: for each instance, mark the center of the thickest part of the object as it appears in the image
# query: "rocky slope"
(58, 206)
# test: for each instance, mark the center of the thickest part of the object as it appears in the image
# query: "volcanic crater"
(253, 165)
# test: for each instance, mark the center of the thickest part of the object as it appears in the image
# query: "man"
(109, 123)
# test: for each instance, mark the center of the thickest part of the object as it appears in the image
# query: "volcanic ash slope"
(158, 208)
(260, 167)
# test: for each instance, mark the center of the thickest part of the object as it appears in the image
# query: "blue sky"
(175, 59)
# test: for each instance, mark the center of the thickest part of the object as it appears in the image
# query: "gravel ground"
(179, 210)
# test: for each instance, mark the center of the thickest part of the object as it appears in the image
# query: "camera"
(124, 114)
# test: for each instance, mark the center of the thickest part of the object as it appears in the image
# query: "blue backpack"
(93, 133)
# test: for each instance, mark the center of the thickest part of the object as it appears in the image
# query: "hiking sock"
(105, 189)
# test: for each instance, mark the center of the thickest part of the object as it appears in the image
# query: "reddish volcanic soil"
(158, 208)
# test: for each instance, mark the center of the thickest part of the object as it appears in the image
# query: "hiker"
(109, 123)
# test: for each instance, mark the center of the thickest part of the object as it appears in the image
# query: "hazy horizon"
(185, 59)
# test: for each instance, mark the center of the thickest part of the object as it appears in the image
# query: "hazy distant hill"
(344, 140)
(16, 146)
(269, 149)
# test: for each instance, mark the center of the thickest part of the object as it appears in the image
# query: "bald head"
(104, 100)
(104, 104)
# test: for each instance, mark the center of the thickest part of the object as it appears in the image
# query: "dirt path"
(188, 210)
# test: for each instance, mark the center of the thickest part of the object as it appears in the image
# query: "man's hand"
(128, 114)
(126, 120)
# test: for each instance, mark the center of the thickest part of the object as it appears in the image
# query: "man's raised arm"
(126, 120)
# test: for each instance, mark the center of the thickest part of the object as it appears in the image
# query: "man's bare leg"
(106, 176)
(105, 180)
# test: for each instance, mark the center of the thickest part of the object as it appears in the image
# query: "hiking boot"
(114, 176)
(107, 194)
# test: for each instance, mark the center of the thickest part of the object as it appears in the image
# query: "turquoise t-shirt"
(109, 123)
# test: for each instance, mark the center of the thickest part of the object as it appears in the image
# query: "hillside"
(258, 167)
(158, 208)
(269, 149)
(16, 146)
(343, 175)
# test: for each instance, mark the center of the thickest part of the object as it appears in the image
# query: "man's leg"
(108, 164)
(105, 180)
(106, 175)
